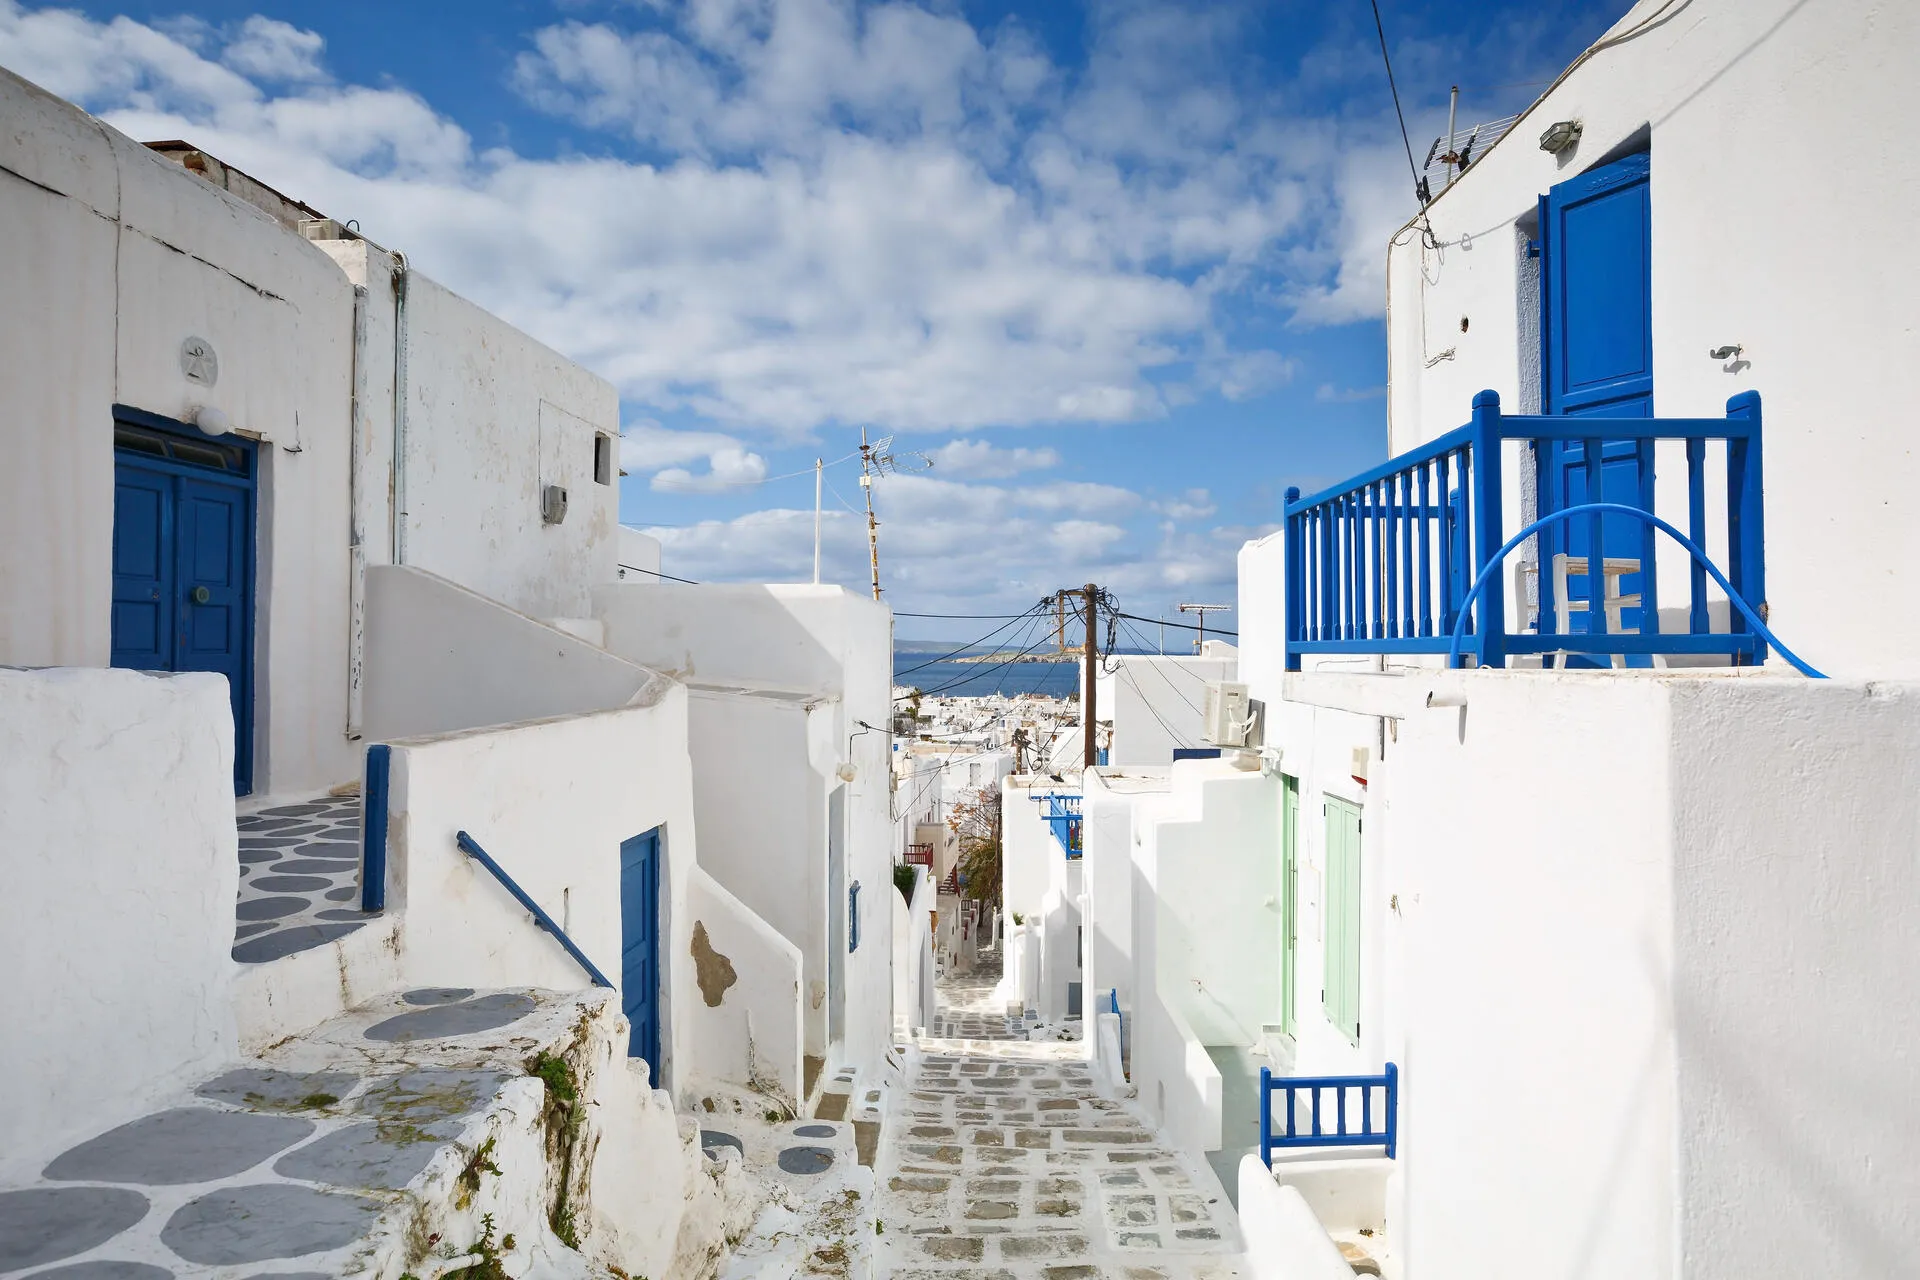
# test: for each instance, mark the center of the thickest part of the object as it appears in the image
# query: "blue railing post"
(1746, 513)
(471, 847)
(1487, 516)
(1266, 1116)
(1295, 596)
(1393, 1108)
(373, 829)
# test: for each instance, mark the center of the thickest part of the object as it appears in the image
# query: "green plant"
(488, 1266)
(563, 1119)
(319, 1100)
(468, 1183)
(1019, 918)
(556, 1075)
(903, 878)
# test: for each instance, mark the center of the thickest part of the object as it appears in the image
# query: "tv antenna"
(878, 459)
(1203, 610)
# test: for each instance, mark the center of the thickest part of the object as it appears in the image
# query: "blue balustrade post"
(1393, 1108)
(1746, 513)
(1266, 1116)
(1296, 591)
(373, 829)
(1487, 523)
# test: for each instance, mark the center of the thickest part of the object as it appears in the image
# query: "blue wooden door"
(183, 549)
(640, 947)
(1597, 360)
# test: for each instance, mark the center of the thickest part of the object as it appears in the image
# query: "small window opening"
(602, 458)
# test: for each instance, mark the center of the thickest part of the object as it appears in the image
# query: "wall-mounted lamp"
(212, 421)
(1560, 135)
(846, 772)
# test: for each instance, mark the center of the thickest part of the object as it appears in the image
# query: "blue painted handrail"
(1620, 508)
(1380, 563)
(1343, 1134)
(471, 847)
(1063, 815)
(373, 829)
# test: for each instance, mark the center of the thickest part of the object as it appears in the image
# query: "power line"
(696, 484)
(971, 643)
(1414, 169)
(1184, 626)
(981, 675)
(986, 616)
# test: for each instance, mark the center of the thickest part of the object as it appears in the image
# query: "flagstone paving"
(299, 878)
(1004, 1161)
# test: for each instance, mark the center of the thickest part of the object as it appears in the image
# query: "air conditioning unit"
(322, 229)
(1226, 714)
(553, 504)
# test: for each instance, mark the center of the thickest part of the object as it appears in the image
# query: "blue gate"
(640, 947)
(183, 560)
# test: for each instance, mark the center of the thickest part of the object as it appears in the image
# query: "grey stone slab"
(806, 1160)
(269, 908)
(184, 1145)
(102, 1269)
(340, 914)
(345, 893)
(278, 883)
(237, 1225)
(257, 857)
(711, 1140)
(290, 1275)
(429, 1095)
(372, 1156)
(46, 1224)
(303, 863)
(468, 1017)
(429, 996)
(815, 1131)
(286, 942)
(241, 932)
(264, 1089)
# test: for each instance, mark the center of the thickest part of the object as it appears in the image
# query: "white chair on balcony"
(1613, 600)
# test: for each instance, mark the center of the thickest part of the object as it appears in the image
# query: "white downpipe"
(399, 408)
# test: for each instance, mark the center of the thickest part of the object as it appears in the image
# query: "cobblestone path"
(1004, 1161)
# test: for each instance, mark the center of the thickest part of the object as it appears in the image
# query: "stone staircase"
(429, 1134)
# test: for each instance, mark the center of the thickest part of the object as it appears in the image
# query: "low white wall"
(116, 817)
(1059, 952)
(746, 1026)
(1284, 1240)
(441, 658)
(550, 801)
(639, 556)
(1028, 849)
(913, 990)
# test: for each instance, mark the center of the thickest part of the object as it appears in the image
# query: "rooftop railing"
(1062, 813)
(1403, 559)
(1372, 1120)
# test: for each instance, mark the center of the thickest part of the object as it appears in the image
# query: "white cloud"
(730, 468)
(1327, 393)
(979, 460)
(1194, 504)
(268, 49)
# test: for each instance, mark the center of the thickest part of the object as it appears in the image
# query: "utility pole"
(1091, 593)
(876, 460)
(1203, 610)
(873, 526)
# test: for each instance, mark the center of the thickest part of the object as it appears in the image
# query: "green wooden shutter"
(1289, 928)
(1341, 927)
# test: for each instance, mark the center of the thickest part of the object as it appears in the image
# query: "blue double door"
(640, 947)
(183, 561)
(1597, 360)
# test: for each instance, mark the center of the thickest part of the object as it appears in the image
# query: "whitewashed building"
(1606, 918)
(290, 521)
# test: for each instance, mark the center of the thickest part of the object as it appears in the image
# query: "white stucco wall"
(120, 256)
(550, 801)
(1107, 876)
(1156, 704)
(745, 1025)
(1719, 96)
(1028, 849)
(116, 817)
(639, 556)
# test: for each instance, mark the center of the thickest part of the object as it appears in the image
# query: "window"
(853, 916)
(602, 458)
(1340, 904)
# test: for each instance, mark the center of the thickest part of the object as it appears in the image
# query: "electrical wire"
(1175, 734)
(1393, 88)
(656, 573)
(1033, 612)
(699, 485)
(980, 675)
(1184, 626)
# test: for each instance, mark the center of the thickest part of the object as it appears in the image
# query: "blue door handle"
(200, 595)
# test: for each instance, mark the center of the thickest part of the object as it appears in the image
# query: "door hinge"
(1533, 248)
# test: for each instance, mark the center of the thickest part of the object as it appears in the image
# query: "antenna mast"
(876, 460)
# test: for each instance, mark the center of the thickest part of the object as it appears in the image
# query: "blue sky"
(1114, 267)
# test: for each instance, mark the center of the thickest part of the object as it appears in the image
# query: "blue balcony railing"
(1062, 813)
(1371, 1120)
(1403, 559)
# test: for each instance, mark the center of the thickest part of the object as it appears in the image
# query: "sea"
(917, 667)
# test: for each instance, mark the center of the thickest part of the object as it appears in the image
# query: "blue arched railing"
(1381, 563)
(1619, 508)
